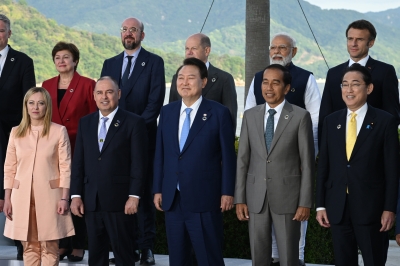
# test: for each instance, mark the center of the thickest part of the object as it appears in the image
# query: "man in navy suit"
(108, 171)
(194, 169)
(398, 220)
(357, 179)
(140, 75)
(361, 36)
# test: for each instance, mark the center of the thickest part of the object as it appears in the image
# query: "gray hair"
(284, 34)
(6, 21)
(113, 82)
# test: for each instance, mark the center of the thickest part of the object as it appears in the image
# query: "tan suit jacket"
(42, 165)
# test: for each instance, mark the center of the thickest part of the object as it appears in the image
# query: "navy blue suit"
(205, 169)
(143, 94)
(371, 176)
(398, 214)
(106, 179)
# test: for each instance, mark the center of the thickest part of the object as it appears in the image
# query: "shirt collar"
(4, 52)
(194, 106)
(135, 54)
(110, 115)
(207, 64)
(278, 108)
(361, 112)
(362, 62)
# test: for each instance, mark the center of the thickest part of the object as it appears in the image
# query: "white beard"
(284, 62)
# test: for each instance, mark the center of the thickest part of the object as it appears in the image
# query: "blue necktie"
(269, 128)
(103, 132)
(125, 77)
(185, 129)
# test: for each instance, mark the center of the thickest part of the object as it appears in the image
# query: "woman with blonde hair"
(36, 182)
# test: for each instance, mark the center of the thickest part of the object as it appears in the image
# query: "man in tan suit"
(275, 170)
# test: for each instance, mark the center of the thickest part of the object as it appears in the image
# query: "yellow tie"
(351, 135)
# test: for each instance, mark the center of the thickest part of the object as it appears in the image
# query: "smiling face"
(354, 90)
(281, 51)
(358, 43)
(106, 96)
(36, 107)
(64, 62)
(273, 87)
(190, 84)
(131, 40)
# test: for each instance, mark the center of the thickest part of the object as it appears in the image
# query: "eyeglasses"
(131, 30)
(353, 86)
(282, 48)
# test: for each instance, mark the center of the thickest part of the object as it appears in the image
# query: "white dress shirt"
(125, 62)
(182, 117)
(362, 62)
(361, 112)
(3, 57)
(278, 110)
(312, 102)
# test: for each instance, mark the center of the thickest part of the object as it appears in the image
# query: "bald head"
(198, 46)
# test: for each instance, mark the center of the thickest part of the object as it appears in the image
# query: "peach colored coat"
(41, 164)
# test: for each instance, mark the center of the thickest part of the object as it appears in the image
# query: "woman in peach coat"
(36, 182)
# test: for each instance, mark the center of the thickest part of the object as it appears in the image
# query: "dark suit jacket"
(17, 77)
(145, 90)
(371, 174)
(118, 170)
(77, 102)
(385, 95)
(220, 88)
(206, 166)
(398, 214)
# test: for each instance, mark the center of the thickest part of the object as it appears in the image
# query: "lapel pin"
(293, 90)
(371, 126)
(143, 63)
(213, 79)
(339, 126)
(101, 140)
(71, 90)
(204, 117)
(286, 116)
(12, 59)
(116, 124)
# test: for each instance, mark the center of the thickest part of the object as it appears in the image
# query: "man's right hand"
(77, 207)
(242, 212)
(322, 219)
(158, 201)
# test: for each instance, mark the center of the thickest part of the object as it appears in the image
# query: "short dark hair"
(363, 24)
(287, 78)
(197, 63)
(60, 46)
(362, 70)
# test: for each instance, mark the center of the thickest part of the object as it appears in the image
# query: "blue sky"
(358, 5)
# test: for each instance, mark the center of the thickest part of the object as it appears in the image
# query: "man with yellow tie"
(358, 174)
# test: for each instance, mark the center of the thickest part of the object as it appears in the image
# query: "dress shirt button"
(180, 157)
(265, 179)
(348, 166)
(99, 159)
(268, 161)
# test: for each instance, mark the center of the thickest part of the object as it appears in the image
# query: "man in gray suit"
(275, 170)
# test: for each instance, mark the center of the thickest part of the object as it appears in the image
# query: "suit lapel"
(173, 123)
(116, 124)
(9, 64)
(93, 131)
(211, 80)
(341, 128)
(198, 123)
(284, 119)
(140, 64)
(68, 94)
(259, 125)
(365, 130)
(370, 64)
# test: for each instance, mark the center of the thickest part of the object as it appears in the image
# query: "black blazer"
(145, 90)
(385, 95)
(118, 170)
(371, 174)
(17, 77)
(220, 88)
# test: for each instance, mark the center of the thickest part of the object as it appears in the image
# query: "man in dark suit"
(140, 75)
(357, 174)
(398, 220)
(361, 36)
(17, 76)
(194, 169)
(220, 84)
(108, 174)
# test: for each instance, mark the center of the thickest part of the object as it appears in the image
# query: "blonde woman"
(37, 180)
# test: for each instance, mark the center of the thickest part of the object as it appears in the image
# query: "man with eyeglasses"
(303, 92)
(358, 177)
(141, 77)
(361, 36)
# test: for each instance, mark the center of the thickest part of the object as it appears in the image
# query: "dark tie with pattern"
(269, 128)
(125, 77)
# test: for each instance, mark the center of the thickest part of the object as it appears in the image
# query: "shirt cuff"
(134, 196)
(321, 209)
(75, 196)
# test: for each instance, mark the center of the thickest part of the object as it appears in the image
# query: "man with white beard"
(304, 93)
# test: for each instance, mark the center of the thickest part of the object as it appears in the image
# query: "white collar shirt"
(278, 110)
(182, 116)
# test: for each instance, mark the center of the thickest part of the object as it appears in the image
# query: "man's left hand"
(387, 220)
(131, 205)
(226, 203)
(302, 214)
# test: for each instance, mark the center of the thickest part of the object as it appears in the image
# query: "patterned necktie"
(351, 135)
(185, 128)
(125, 77)
(269, 128)
(103, 132)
